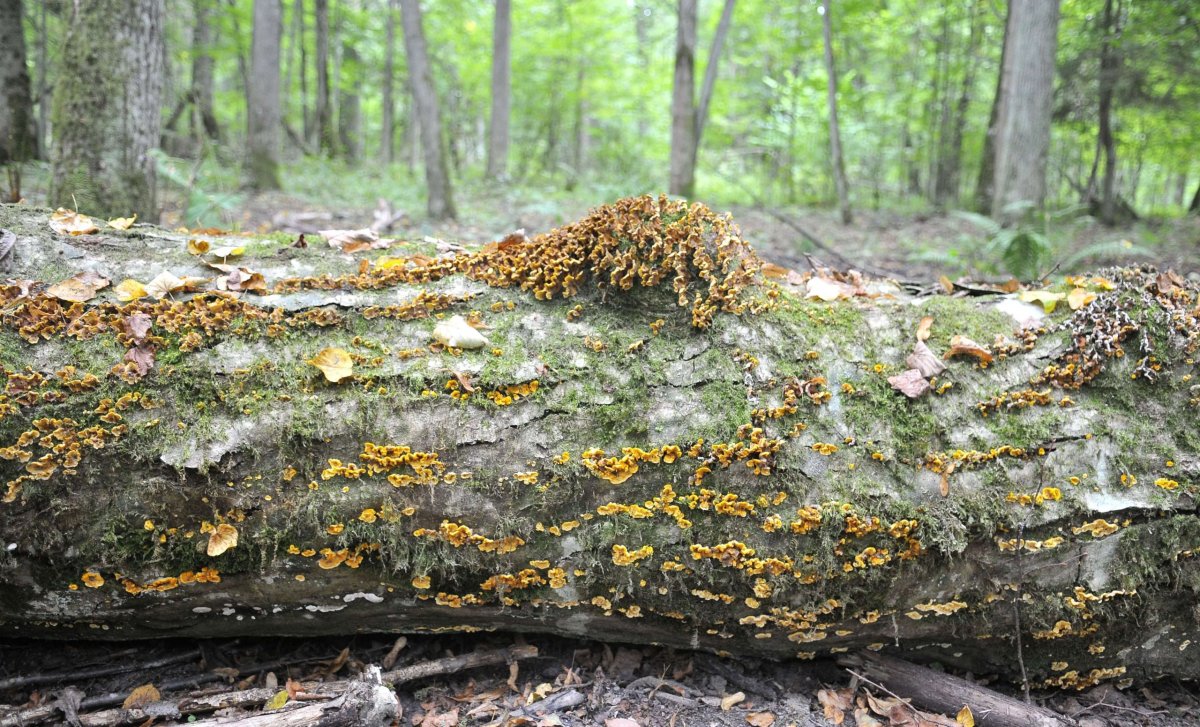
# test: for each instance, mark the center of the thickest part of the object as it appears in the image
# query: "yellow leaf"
(334, 363)
(141, 696)
(122, 223)
(68, 222)
(223, 538)
(227, 251)
(277, 702)
(130, 289)
(1080, 297)
(1045, 297)
(964, 717)
(197, 247)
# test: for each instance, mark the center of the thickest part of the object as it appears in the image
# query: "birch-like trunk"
(440, 199)
(265, 115)
(497, 155)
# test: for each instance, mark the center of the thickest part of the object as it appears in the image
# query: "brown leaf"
(775, 272)
(239, 279)
(944, 485)
(946, 284)
(69, 222)
(390, 659)
(910, 383)
(138, 325)
(620, 722)
(79, 288)
(1012, 286)
(510, 240)
(142, 357)
(963, 346)
(224, 537)
(293, 688)
(355, 240)
(1168, 281)
(730, 701)
(924, 360)
(827, 289)
(923, 328)
(464, 380)
(760, 719)
(863, 718)
(141, 696)
(335, 363)
(835, 703)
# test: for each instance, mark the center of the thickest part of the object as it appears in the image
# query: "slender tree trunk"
(950, 158)
(265, 118)
(310, 128)
(43, 85)
(324, 111)
(497, 159)
(440, 202)
(710, 74)
(1194, 207)
(1110, 69)
(202, 71)
(683, 111)
(987, 162)
(18, 131)
(641, 31)
(350, 106)
(835, 137)
(107, 106)
(1023, 126)
(388, 132)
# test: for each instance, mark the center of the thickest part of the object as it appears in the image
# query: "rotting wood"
(808, 521)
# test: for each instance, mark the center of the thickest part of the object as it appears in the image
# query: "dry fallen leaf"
(79, 288)
(760, 719)
(277, 701)
(827, 289)
(730, 701)
(122, 223)
(197, 247)
(1167, 282)
(946, 284)
(863, 718)
(239, 279)
(925, 360)
(1047, 299)
(355, 240)
(129, 289)
(335, 363)
(227, 251)
(141, 696)
(923, 328)
(963, 346)
(836, 702)
(457, 333)
(1079, 297)
(69, 222)
(910, 383)
(224, 537)
(142, 357)
(964, 717)
(164, 284)
(620, 722)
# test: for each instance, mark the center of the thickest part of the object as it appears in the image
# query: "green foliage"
(202, 207)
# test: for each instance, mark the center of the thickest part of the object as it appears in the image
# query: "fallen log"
(661, 440)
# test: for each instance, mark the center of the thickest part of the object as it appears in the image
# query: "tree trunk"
(835, 136)
(107, 106)
(388, 132)
(945, 188)
(349, 106)
(987, 162)
(18, 130)
(1110, 69)
(497, 159)
(1194, 207)
(440, 203)
(324, 110)
(710, 75)
(265, 118)
(43, 84)
(1023, 125)
(755, 487)
(202, 72)
(682, 180)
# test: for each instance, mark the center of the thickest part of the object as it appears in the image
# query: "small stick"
(102, 671)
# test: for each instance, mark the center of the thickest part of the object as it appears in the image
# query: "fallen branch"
(947, 694)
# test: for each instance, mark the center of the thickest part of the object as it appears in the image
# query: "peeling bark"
(811, 519)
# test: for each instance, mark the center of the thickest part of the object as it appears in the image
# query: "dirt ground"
(568, 683)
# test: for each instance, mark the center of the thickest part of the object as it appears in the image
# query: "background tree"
(204, 117)
(440, 201)
(387, 135)
(17, 130)
(497, 160)
(835, 134)
(263, 94)
(324, 111)
(683, 110)
(1027, 90)
(107, 108)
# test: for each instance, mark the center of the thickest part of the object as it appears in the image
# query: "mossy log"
(724, 468)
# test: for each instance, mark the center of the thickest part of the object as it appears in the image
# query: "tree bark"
(265, 115)
(835, 134)
(822, 510)
(107, 106)
(949, 168)
(1023, 124)
(1110, 69)
(388, 132)
(324, 110)
(497, 159)
(440, 202)
(1194, 207)
(710, 74)
(202, 72)
(18, 138)
(682, 180)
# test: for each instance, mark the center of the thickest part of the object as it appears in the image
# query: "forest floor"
(917, 246)
(568, 683)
